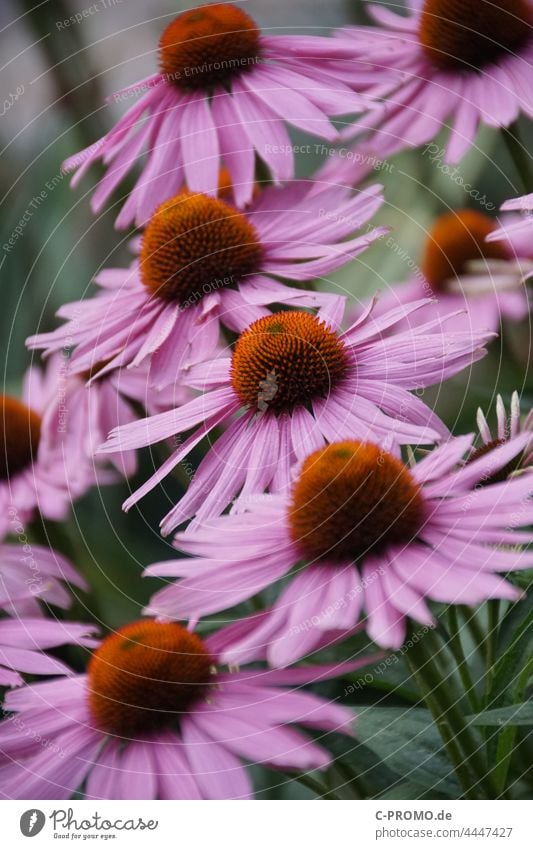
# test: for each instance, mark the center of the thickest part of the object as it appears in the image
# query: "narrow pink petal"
(173, 771)
(217, 772)
(137, 772)
(200, 147)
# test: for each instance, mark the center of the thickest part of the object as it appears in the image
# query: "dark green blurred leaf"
(409, 744)
(513, 715)
(411, 790)
(511, 673)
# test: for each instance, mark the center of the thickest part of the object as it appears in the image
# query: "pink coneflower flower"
(508, 427)
(37, 469)
(224, 93)
(293, 383)
(465, 272)
(368, 534)
(30, 574)
(203, 264)
(461, 64)
(155, 718)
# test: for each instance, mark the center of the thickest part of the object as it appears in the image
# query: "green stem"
(313, 785)
(461, 744)
(350, 785)
(427, 686)
(472, 625)
(519, 155)
(456, 647)
(493, 609)
(499, 772)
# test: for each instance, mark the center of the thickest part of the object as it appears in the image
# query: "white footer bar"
(243, 825)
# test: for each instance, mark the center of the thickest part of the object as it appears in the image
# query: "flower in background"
(293, 383)
(223, 94)
(96, 402)
(516, 226)
(462, 271)
(154, 718)
(461, 64)
(366, 533)
(38, 470)
(349, 166)
(87, 406)
(508, 427)
(29, 575)
(134, 385)
(22, 645)
(204, 264)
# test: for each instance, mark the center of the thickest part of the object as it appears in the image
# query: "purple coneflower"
(481, 279)
(461, 63)
(224, 93)
(365, 533)
(204, 264)
(156, 718)
(293, 383)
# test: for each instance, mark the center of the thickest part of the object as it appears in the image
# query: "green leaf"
(389, 675)
(411, 790)
(511, 674)
(361, 762)
(409, 744)
(514, 618)
(511, 715)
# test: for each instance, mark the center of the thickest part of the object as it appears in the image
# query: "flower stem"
(461, 744)
(519, 155)
(456, 647)
(349, 785)
(490, 642)
(473, 625)
(315, 786)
